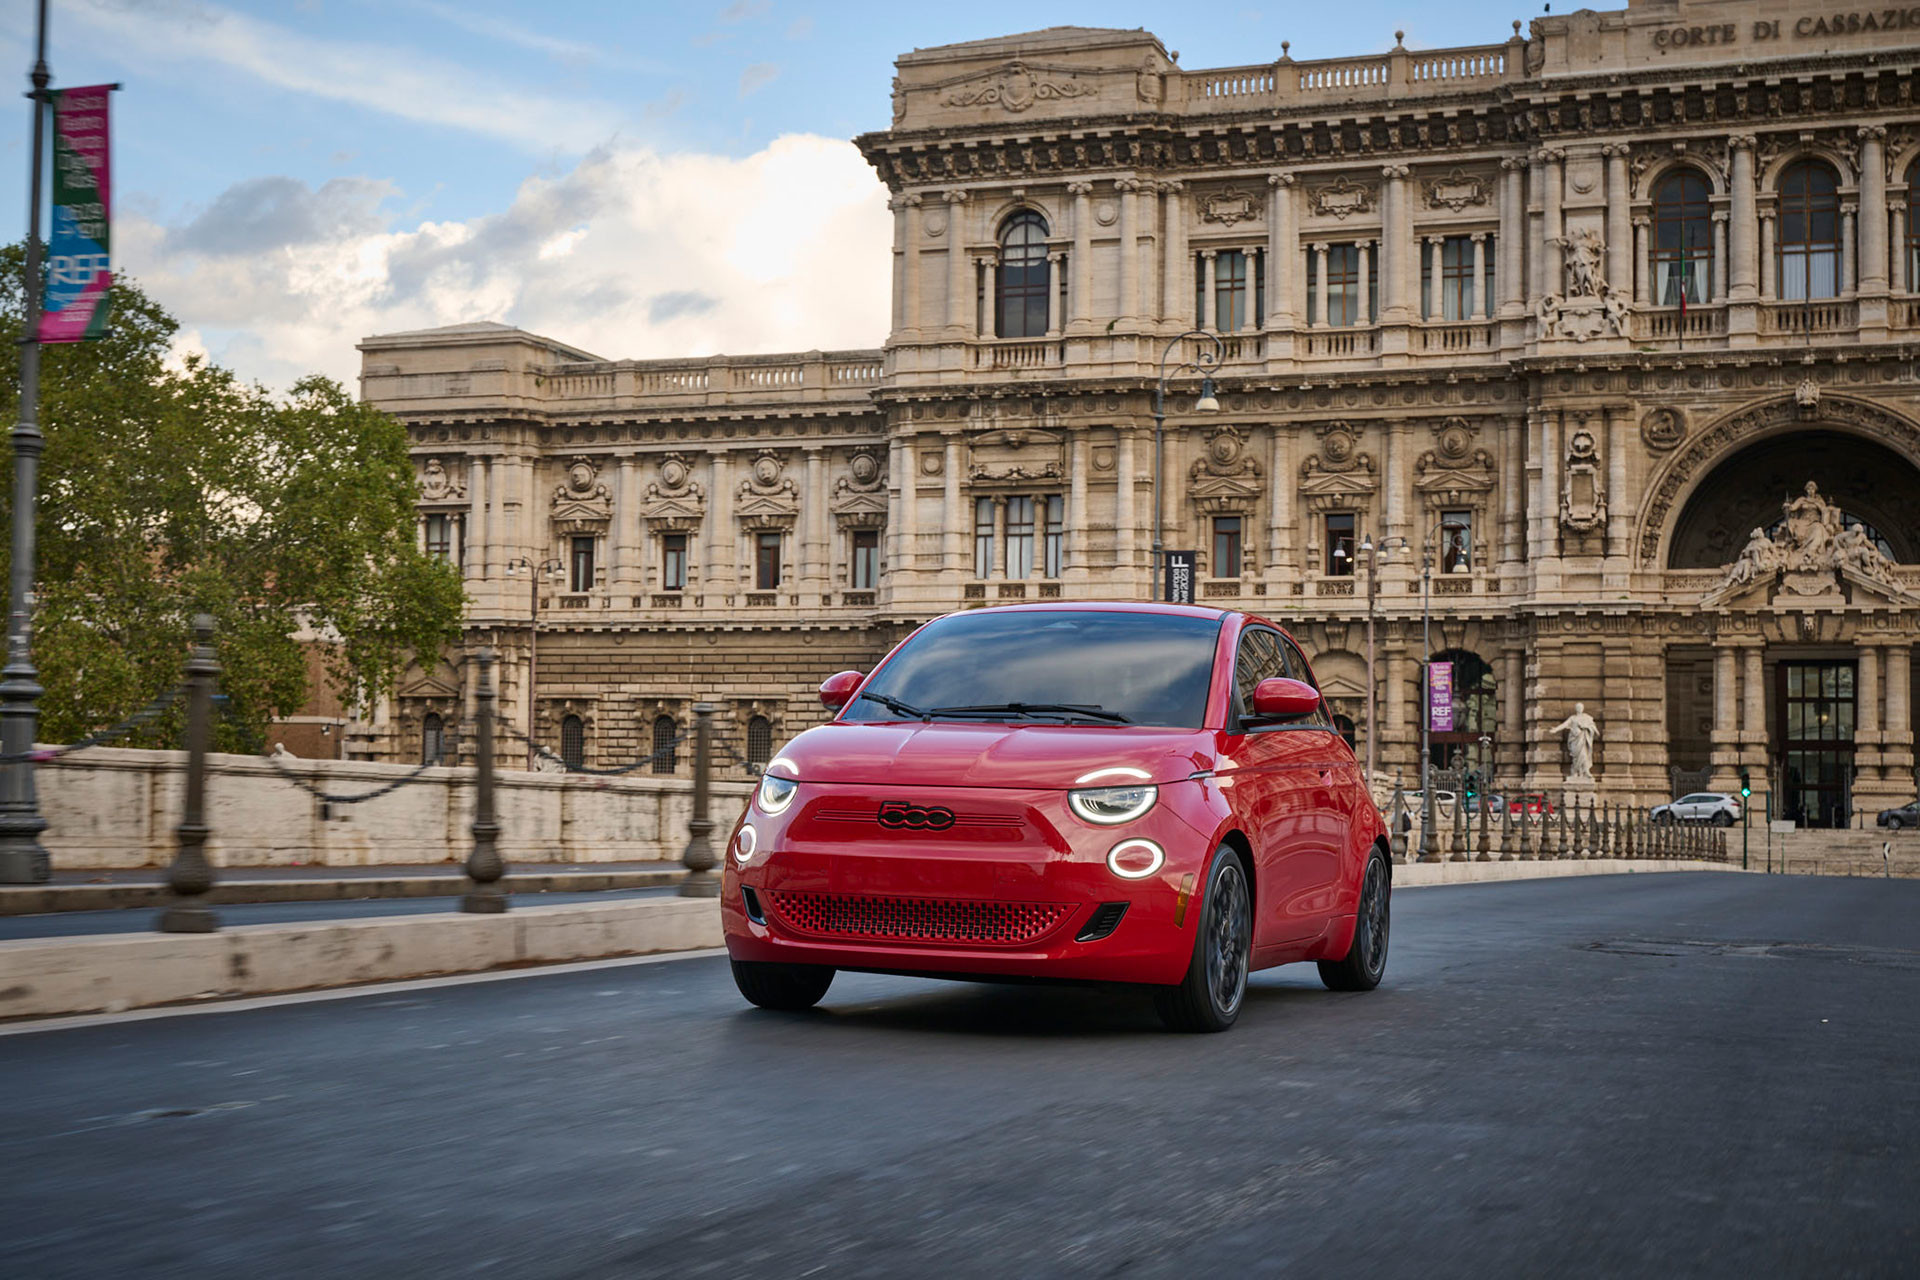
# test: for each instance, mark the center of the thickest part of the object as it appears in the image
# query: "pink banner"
(74, 307)
(1440, 697)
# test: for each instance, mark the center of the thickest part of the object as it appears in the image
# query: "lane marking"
(241, 1005)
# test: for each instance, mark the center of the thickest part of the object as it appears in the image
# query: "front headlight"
(1111, 806)
(775, 793)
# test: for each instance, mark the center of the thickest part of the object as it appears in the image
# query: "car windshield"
(1073, 666)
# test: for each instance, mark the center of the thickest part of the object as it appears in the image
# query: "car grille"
(985, 821)
(917, 919)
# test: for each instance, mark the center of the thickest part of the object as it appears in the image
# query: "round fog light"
(743, 844)
(1135, 859)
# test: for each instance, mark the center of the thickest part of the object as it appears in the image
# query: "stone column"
(1726, 718)
(1476, 302)
(1719, 293)
(1397, 446)
(1177, 263)
(1873, 208)
(1536, 227)
(997, 570)
(898, 204)
(1619, 220)
(1552, 225)
(1643, 292)
(1207, 317)
(910, 267)
(1753, 716)
(1767, 289)
(814, 571)
(955, 518)
(1743, 231)
(1126, 525)
(988, 322)
(1320, 285)
(1512, 241)
(1054, 261)
(959, 266)
(1074, 554)
(1366, 313)
(1128, 312)
(1431, 307)
(1898, 257)
(1396, 247)
(1394, 698)
(1512, 698)
(1280, 251)
(718, 580)
(1280, 519)
(625, 516)
(478, 543)
(1619, 515)
(1867, 719)
(1899, 719)
(1849, 260)
(1080, 283)
(1513, 471)
(909, 505)
(1552, 455)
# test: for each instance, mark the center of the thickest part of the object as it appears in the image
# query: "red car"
(1121, 793)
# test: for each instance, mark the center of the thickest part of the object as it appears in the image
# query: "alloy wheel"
(1229, 930)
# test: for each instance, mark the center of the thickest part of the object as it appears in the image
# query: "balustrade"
(1586, 827)
(1807, 319)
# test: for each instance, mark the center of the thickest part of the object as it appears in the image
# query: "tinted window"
(1297, 668)
(1260, 659)
(1152, 668)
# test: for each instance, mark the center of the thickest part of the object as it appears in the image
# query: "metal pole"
(1159, 459)
(1746, 825)
(1426, 699)
(23, 859)
(484, 864)
(1373, 721)
(533, 657)
(700, 882)
(191, 874)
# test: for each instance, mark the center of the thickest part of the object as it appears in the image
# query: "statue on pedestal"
(1581, 731)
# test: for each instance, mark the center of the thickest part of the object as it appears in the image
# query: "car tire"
(1723, 819)
(1366, 960)
(1209, 998)
(1892, 823)
(789, 987)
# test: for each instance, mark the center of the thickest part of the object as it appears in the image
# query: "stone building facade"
(1572, 320)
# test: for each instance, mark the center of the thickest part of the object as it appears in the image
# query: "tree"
(170, 488)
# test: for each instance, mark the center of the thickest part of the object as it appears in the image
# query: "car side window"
(1260, 659)
(1297, 668)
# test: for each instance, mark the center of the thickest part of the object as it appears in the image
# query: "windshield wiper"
(1037, 708)
(896, 706)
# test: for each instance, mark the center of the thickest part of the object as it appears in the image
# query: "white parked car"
(1717, 807)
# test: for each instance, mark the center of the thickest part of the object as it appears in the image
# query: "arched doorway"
(1475, 716)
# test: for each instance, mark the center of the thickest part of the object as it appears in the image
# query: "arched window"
(759, 740)
(433, 739)
(1020, 287)
(665, 758)
(1682, 239)
(1809, 240)
(1473, 714)
(573, 742)
(1912, 247)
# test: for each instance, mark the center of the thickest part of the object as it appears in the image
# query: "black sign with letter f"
(1180, 576)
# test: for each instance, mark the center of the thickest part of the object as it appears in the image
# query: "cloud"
(743, 10)
(630, 254)
(380, 77)
(800, 28)
(758, 76)
(578, 52)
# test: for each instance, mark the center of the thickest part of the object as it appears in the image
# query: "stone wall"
(118, 808)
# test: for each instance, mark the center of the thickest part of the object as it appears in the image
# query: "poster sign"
(78, 266)
(1440, 697)
(1180, 576)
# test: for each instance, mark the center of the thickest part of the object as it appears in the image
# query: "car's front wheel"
(1366, 960)
(1209, 998)
(1893, 822)
(781, 986)
(1723, 819)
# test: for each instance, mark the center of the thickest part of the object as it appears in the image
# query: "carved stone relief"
(1589, 308)
(676, 502)
(1341, 197)
(1663, 428)
(1016, 454)
(1229, 206)
(768, 497)
(1810, 554)
(1018, 85)
(582, 504)
(1455, 191)
(1583, 496)
(437, 486)
(860, 496)
(1225, 480)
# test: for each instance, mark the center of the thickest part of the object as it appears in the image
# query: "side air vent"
(1105, 920)
(752, 899)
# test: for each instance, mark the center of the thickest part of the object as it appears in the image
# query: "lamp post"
(552, 569)
(1428, 547)
(1374, 553)
(1203, 363)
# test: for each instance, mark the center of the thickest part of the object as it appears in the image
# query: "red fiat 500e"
(1149, 794)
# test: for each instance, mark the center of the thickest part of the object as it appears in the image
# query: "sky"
(637, 179)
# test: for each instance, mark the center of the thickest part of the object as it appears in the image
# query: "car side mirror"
(1279, 697)
(838, 689)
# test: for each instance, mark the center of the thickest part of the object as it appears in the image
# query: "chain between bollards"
(191, 875)
(700, 882)
(484, 864)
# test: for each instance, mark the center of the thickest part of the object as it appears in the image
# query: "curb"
(1415, 875)
(41, 900)
(116, 972)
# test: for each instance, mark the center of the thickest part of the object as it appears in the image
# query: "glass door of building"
(1815, 770)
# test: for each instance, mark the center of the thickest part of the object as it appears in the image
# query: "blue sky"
(292, 175)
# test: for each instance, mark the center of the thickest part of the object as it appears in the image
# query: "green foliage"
(166, 491)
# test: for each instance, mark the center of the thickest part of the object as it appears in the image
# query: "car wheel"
(781, 986)
(1210, 996)
(1723, 819)
(1893, 822)
(1366, 959)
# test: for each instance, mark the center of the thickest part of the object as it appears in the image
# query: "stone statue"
(280, 752)
(1855, 550)
(1757, 558)
(1583, 249)
(1812, 539)
(1813, 523)
(1581, 732)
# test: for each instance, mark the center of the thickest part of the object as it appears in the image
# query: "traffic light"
(1746, 785)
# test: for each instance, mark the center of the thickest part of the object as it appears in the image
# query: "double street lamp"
(554, 569)
(1203, 363)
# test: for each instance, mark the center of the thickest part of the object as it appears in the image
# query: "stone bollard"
(1457, 850)
(191, 875)
(1484, 850)
(1396, 815)
(484, 864)
(1507, 852)
(1529, 834)
(700, 882)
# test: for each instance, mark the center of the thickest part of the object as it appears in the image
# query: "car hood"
(950, 754)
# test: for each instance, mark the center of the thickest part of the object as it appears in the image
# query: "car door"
(1334, 788)
(1265, 776)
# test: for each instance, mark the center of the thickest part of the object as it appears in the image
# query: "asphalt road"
(61, 924)
(1684, 1074)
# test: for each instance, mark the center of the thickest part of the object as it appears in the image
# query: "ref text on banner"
(1440, 697)
(78, 266)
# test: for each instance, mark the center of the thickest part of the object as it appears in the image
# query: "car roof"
(1129, 606)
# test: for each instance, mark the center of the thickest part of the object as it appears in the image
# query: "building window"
(1019, 537)
(1229, 291)
(433, 739)
(1456, 280)
(1912, 246)
(1456, 541)
(440, 538)
(1056, 533)
(665, 756)
(581, 564)
(766, 561)
(673, 562)
(1340, 542)
(573, 742)
(1809, 242)
(759, 740)
(1682, 239)
(1226, 546)
(866, 559)
(1345, 306)
(1021, 285)
(982, 537)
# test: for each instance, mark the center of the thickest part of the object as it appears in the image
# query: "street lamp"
(1373, 554)
(1202, 363)
(550, 569)
(1428, 546)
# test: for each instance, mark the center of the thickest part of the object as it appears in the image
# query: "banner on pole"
(79, 269)
(1180, 566)
(1440, 697)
